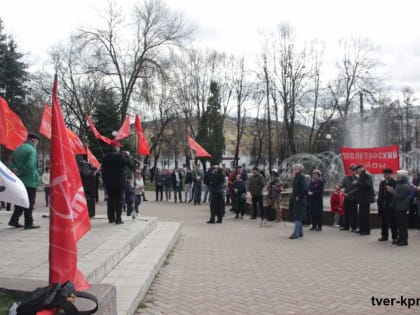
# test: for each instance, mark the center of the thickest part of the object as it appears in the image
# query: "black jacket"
(384, 197)
(114, 166)
(174, 183)
(365, 192)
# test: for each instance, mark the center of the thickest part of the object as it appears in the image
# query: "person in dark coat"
(177, 184)
(350, 202)
(385, 207)
(365, 196)
(114, 166)
(315, 198)
(215, 181)
(159, 180)
(255, 186)
(401, 203)
(239, 196)
(197, 183)
(297, 201)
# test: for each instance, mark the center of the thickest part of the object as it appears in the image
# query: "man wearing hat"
(114, 166)
(350, 202)
(25, 165)
(365, 196)
(385, 207)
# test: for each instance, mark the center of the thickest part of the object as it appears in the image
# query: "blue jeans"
(206, 193)
(137, 202)
(298, 231)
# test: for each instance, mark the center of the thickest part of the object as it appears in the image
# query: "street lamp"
(328, 137)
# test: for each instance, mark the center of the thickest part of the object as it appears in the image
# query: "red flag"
(45, 126)
(374, 160)
(69, 218)
(92, 159)
(12, 132)
(199, 150)
(96, 132)
(142, 145)
(75, 142)
(124, 130)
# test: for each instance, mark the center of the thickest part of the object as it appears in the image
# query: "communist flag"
(45, 126)
(199, 150)
(96, 132)
(75, 142)
(142, 145)
(92, 159)
(124, 130)
(12, 132)
(69, 218)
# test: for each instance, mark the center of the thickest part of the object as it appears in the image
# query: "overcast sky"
(234, 25)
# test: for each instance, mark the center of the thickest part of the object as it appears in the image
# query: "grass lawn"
(6, 299)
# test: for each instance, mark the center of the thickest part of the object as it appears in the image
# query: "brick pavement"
(239, 268)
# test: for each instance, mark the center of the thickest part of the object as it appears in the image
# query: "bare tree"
(357, 72)
(131, 51)
(242, 92)
(79, 88)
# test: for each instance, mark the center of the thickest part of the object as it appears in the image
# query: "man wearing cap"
(114, 166)
(255, 187)
(385, 207)
(350, 202)
(25, 164)
(365, 196)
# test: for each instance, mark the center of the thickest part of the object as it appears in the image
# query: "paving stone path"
(239, 268)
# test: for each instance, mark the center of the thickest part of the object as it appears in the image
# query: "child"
(337, 205)
(138, 191)
(129, 194)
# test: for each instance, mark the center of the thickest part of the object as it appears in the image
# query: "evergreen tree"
(13, 74)
(106, 119)
(210, 133)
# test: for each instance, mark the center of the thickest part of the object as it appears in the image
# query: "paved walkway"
(239, 268)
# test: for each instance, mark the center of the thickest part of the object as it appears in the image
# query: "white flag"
(11, 188)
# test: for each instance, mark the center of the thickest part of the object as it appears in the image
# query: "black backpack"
(56, 295)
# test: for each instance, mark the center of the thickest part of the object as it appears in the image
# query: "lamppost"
(328, 137)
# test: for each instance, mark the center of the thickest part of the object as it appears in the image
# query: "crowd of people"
(350, 201)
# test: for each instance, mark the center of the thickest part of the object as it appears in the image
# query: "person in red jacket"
(337, 205)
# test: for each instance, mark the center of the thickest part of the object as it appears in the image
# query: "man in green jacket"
(25, 165)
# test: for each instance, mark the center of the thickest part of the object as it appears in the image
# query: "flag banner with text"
(199, 150)
(45, 126)
(12, 131)
(69, 217)
(374, 160)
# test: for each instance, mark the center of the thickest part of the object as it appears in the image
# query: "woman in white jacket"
(138, 191)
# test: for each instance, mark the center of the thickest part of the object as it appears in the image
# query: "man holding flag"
(25, 164)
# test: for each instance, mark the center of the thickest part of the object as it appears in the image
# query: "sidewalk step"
(98, 262)
(133, 276)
